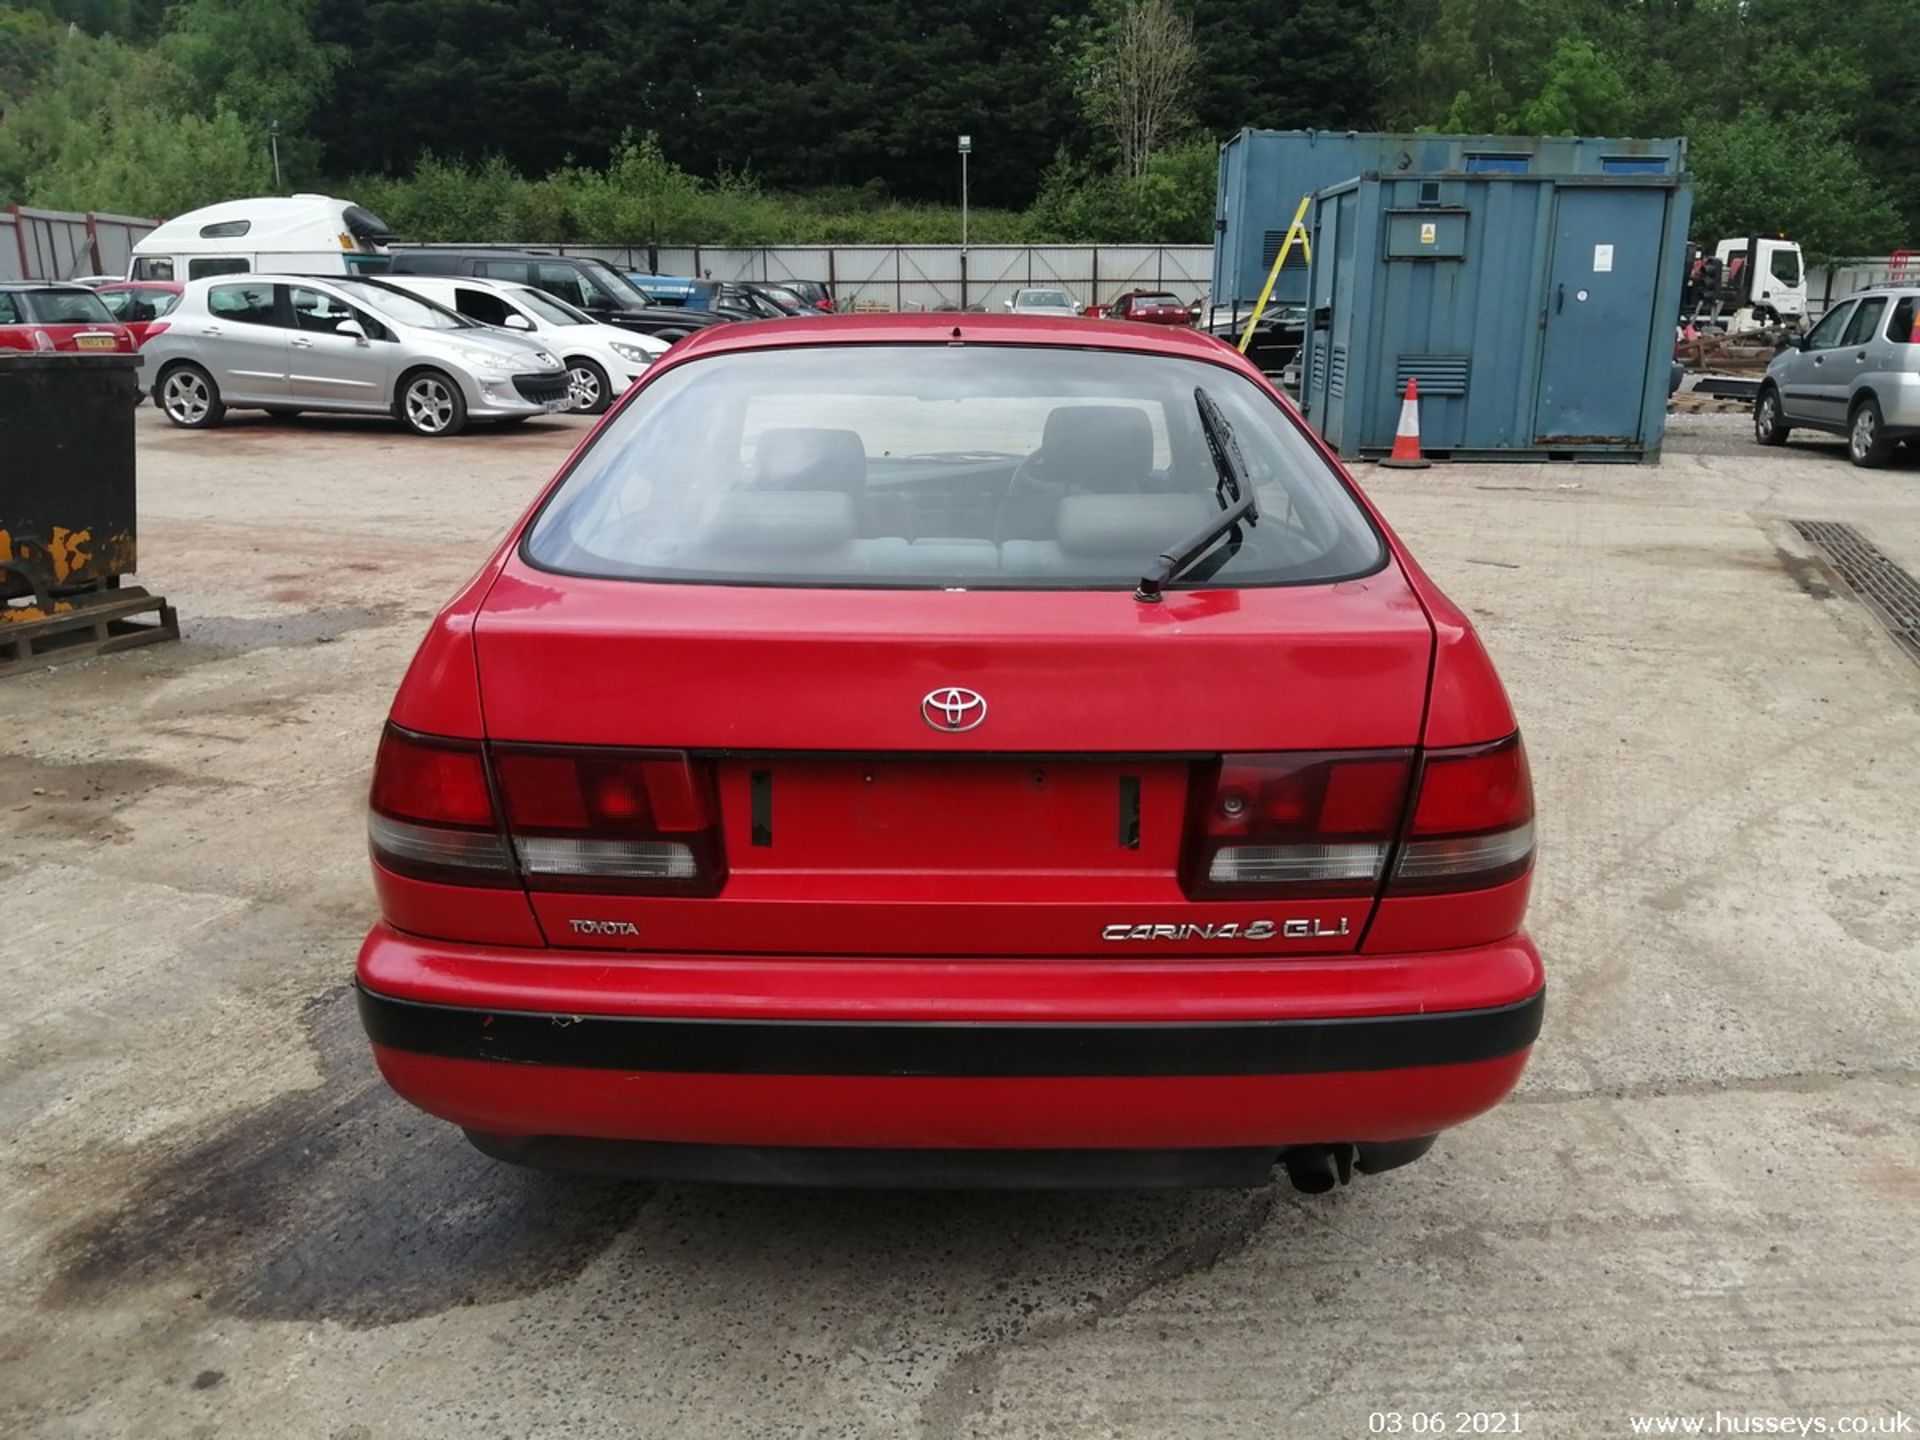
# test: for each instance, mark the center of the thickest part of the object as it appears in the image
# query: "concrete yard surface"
(214, 1218)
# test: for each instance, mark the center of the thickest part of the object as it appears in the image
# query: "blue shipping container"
(1264, 173)
(1535, 311)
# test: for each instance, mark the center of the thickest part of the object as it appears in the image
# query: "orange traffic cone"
(1406, 436)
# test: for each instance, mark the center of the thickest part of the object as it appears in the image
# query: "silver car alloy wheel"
(186, 397)
(583, 388)
(429, 406)
(1763, 418)
(1863, 436)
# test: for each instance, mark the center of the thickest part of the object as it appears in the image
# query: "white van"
(286, 234)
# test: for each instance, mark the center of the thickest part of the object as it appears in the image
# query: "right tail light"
(1472, 824)
(1360, 823)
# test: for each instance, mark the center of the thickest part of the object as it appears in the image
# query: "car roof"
(410, 281)
(44, 285)
(273, 220)
(936, 327)
(280, 277)
(486, 252)
(174, 285)
(467, 282)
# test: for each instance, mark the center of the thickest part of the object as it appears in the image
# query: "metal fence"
(60, 244)
(1827, 285)
(929, 277)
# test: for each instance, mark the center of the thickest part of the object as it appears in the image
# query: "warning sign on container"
(1602, 259)
(1429, 233)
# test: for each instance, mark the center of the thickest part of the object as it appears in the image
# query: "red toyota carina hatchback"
(906, 751)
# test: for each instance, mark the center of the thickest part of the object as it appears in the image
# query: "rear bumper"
(949, 1055)
(1899, 396)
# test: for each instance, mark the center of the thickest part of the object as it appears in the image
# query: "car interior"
(1089, 501)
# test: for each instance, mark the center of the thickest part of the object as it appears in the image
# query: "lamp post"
(273, 138)
(966, 149)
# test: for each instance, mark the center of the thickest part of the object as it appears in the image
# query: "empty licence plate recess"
(959, 815)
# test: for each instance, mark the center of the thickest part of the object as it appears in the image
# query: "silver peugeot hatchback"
(1856, 373)
(357, 345)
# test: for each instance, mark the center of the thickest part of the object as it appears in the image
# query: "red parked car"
(1151, 307)
(932, 749)
(141, 305)
(52, 315)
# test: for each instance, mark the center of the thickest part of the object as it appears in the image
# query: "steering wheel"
(1029, 479)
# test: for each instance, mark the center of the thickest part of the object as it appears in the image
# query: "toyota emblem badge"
(953, 709)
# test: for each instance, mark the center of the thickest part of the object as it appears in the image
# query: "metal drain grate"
(1888, 591)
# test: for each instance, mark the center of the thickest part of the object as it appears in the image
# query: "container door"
(1599, 317)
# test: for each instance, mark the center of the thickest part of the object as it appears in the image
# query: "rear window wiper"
(1233, 490)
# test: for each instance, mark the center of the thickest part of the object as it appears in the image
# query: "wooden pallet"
(96, 625)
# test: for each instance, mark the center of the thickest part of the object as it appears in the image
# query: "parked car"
(754, 300)
(582, 281)
(56, 315)
(1151, 307)
(1277, 339)
(601, 360)
(1856, 373)
(1043, 301)
(678, 290)
(95, 282)
(863, 764)
(141, 305)
(814, 293)
(287, 343)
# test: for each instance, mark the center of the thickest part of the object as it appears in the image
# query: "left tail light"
(552, 817)
(431, 814)
(631, 821)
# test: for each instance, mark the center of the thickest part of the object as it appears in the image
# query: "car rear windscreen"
(953, 466)
(67, 307)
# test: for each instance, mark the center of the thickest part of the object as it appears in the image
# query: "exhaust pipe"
(1316, 1169)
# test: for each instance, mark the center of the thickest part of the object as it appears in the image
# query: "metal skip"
(67, 527)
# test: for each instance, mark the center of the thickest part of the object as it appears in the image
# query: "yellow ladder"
(1296, 231)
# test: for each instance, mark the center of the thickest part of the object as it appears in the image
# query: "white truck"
(1755, 283)
(297, 234)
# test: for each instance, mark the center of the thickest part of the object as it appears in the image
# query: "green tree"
(1581, 92)
(1464, 64)
(150, 162)
(28, 43)
(1132, 63)
(1762, 173)
(258, 60)
(1284, 64)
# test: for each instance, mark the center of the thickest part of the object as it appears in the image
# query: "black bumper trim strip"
(950, 1048)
